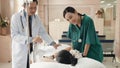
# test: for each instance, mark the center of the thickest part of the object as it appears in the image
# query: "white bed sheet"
(41, 50)
(49, 50)
(82, 63)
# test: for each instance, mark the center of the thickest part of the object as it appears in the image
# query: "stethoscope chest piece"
(79, 40)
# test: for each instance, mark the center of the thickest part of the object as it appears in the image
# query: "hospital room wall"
(5, 48)
(0, 14)
(117, 32)
(5, 41)
(8, 7)
(6, 11)
(5, 8)
(0, 6)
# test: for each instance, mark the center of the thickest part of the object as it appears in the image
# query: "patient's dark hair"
(66, 57)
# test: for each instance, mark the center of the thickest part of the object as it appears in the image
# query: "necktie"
(30, 25)
(30, 35)
(30, 31)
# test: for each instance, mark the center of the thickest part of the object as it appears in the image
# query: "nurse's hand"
(56, 45)
(37, 40)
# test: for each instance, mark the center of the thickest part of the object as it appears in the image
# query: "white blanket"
(50, 50)
(82, 63)
(41, 50)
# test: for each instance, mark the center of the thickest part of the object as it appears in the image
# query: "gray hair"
(29, 1)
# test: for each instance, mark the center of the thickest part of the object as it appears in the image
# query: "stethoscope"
(22, 20)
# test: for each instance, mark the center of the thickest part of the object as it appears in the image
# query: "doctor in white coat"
(20, 37)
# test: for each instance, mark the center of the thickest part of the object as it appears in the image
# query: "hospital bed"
(82, 63)
(43, 50)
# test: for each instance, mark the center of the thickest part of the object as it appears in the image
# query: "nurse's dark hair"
(66, 57)
(70, 10)
(26, 3)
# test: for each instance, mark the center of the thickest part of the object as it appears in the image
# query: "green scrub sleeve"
(91, 34)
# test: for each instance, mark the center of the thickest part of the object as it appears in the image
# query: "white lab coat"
(19, 37)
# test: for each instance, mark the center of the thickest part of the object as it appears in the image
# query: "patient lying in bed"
(49, 53)
(41, 51)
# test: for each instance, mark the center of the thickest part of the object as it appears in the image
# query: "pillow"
(89, 63)
(49, 65)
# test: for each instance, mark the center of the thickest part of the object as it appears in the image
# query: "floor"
(109, 64)
(5, 65)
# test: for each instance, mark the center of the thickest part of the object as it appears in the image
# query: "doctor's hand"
(56, 45)
(37, 40)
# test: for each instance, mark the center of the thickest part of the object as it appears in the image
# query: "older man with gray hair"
(22, 36)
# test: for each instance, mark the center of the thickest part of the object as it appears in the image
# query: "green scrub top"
(86, 34)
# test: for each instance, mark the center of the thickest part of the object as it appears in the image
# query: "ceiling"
(108, 3)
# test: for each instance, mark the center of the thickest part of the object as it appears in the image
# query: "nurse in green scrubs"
(83, 35)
